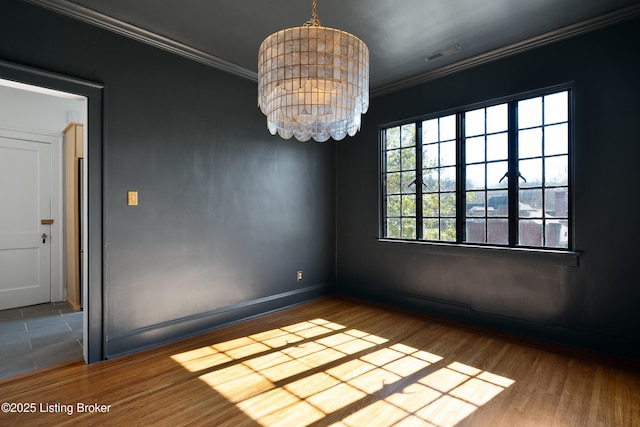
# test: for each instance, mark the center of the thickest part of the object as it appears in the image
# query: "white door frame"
(57, 231)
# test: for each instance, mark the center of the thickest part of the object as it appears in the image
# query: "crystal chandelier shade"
(313, 82)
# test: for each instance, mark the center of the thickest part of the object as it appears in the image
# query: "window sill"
(542, 256)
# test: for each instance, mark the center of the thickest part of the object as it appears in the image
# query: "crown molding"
(512, 49)
(101, 20)
(98, 19)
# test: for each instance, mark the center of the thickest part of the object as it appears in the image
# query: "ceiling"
(399, 34)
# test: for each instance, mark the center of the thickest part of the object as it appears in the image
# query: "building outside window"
(496, 175)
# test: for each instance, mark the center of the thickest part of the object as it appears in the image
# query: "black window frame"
(512, 173)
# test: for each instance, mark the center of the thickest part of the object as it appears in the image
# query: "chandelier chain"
(315, 19)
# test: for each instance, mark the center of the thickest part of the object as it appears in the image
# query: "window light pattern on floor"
(315, 368)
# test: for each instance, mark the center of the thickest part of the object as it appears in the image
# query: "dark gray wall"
(227, 213)
(594, 304)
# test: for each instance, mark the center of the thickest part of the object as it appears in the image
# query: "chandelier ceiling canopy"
(313, 81)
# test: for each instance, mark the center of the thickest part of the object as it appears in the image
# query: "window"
(400, 181)
(495, 175)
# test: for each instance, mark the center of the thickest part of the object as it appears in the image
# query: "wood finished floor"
(332, 362)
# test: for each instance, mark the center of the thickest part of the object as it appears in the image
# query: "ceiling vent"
(443, 52)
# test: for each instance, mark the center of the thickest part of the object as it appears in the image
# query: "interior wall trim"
(101, 20)
(547, 333)
(547, 257)
(559, 34)
(138, 339)
(117, 26)
(563, 349)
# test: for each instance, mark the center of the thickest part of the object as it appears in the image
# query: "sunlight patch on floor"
(302, 373)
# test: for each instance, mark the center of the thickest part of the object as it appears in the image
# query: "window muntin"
(543, 165)
(486, 165)
(439, 179)
(496, 175)
(400, 174)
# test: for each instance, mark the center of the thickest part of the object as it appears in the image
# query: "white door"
(25, 243)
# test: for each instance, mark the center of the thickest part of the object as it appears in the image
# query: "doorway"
(60, 87)
(36, 328)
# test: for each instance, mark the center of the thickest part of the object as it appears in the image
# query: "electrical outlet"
(299, 276)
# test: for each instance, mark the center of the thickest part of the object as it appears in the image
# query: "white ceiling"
(399, 34)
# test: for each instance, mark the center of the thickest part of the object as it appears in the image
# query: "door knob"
(44, 237)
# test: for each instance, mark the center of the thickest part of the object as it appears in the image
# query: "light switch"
(132, 198)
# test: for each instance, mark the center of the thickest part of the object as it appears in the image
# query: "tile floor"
(38, 336)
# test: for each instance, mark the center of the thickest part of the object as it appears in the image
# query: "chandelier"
(313, 81)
